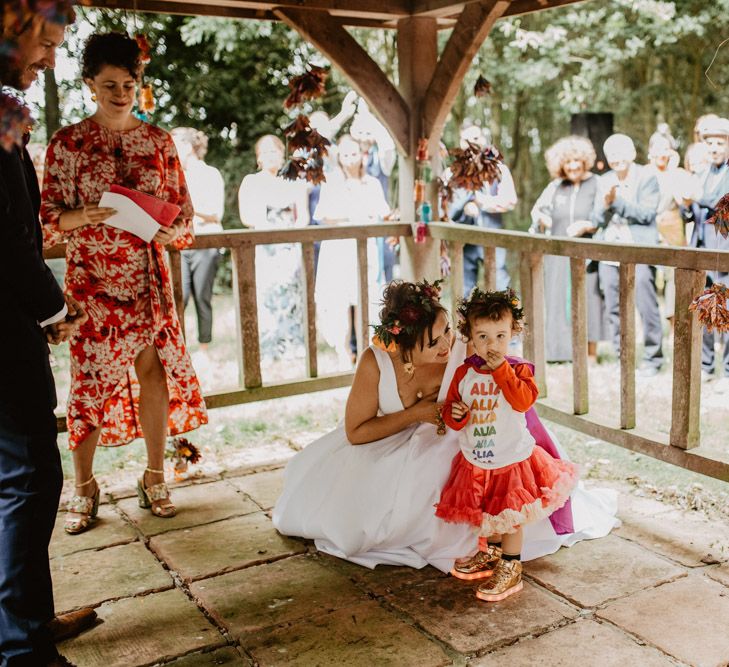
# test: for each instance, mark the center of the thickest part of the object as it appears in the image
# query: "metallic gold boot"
(479, 566)
(505, 581)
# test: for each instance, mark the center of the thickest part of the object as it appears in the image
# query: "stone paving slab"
(593, 572)
(719, 573)
(383, 579)
(108, 529)
(281, 592)
(222, 546)
(223, 656)
(143, 631)
(263, 487)
(196, 504)
(363, 635)
(631, 504)
(450, 611)
(681, 536)
(90, 577)
(687, 619)
(584, 643)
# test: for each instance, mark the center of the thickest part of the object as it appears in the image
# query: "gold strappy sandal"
(87, 507)
(154, 494)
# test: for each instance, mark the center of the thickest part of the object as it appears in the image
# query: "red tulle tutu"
(503, 500)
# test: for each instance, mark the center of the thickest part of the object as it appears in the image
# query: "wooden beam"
(627, 345)
(527, 6)
(472, 28)
(330, 37)
(580, 394)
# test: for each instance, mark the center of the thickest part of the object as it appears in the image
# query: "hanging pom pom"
(474, 166)
(711, 308)
(146, 99)
(721, 216)
(143, 44)
(307, 86)
(293, 169)
(301, 135)
(482, 87)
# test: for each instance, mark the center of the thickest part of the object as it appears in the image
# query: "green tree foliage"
(642, 60)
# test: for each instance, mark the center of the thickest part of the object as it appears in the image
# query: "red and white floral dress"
(123, 282)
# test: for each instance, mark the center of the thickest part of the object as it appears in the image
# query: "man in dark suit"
(34, 312)
(714, 133)
(625, 212)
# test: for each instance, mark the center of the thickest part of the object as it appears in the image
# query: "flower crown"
(479, 299)
(419, 303)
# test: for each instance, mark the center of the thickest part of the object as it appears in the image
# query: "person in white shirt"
(484, 209)
(207, 191)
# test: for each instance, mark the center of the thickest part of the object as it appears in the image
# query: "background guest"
(268, 201)
(485, 209)
(714, 185)
(565, 209)
(625, 212)
(207, 192)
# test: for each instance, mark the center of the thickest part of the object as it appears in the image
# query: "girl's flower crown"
(418, 303)
(479, 301)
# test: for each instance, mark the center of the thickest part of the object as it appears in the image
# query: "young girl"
(499, 480)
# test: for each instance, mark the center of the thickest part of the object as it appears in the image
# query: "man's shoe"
(69, 625)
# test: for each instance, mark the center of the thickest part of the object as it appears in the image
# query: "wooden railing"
(680, 448)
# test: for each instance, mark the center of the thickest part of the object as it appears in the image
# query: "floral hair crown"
(479, 299)
(419, 303)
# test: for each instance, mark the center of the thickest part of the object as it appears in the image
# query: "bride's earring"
(93, 97)
(408, 367)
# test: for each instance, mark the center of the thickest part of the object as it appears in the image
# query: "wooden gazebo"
(420, 104)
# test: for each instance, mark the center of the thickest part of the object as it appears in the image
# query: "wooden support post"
(687, 335)
(417, 49)
(532, 297)
(362, 327)
(244, 276)
(176, 273)
(579, 337)
(489, 268)
(456, 254)
(307, 294)
(627, 345)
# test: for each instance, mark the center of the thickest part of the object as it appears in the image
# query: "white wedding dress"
(374, 504)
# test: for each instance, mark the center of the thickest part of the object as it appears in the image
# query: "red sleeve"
(455, 395)
(517, 385)
(59, 183)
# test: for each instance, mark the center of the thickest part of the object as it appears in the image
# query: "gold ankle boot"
(478, 566)
(506, 581)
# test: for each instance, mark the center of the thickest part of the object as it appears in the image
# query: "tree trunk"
(52, 110)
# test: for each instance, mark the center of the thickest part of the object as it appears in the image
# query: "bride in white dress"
(366, 491)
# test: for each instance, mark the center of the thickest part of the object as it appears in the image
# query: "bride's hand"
(426, 409)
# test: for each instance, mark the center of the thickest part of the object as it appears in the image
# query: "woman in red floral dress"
(131, 374)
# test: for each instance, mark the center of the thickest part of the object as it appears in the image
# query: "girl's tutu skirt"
(503, 500)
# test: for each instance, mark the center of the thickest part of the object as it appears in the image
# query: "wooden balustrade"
(681, 448)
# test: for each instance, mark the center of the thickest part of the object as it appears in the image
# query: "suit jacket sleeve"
(642, 210)
(25, 278)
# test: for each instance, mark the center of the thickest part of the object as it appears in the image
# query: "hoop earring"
(93, 97)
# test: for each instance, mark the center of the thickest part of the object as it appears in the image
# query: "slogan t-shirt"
(494, 432)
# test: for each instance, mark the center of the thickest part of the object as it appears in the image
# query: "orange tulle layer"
(503, 500)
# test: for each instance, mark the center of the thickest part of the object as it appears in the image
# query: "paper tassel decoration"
(711, 308)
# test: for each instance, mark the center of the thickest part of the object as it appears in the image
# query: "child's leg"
(506, 579)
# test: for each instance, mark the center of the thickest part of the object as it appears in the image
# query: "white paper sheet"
(129, 216)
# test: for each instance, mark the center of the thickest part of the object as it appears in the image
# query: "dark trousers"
(30, 488)
(472, 258)
(709, 337)
(645, 300)
(198, 278)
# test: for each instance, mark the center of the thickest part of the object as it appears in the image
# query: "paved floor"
(218, 586)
